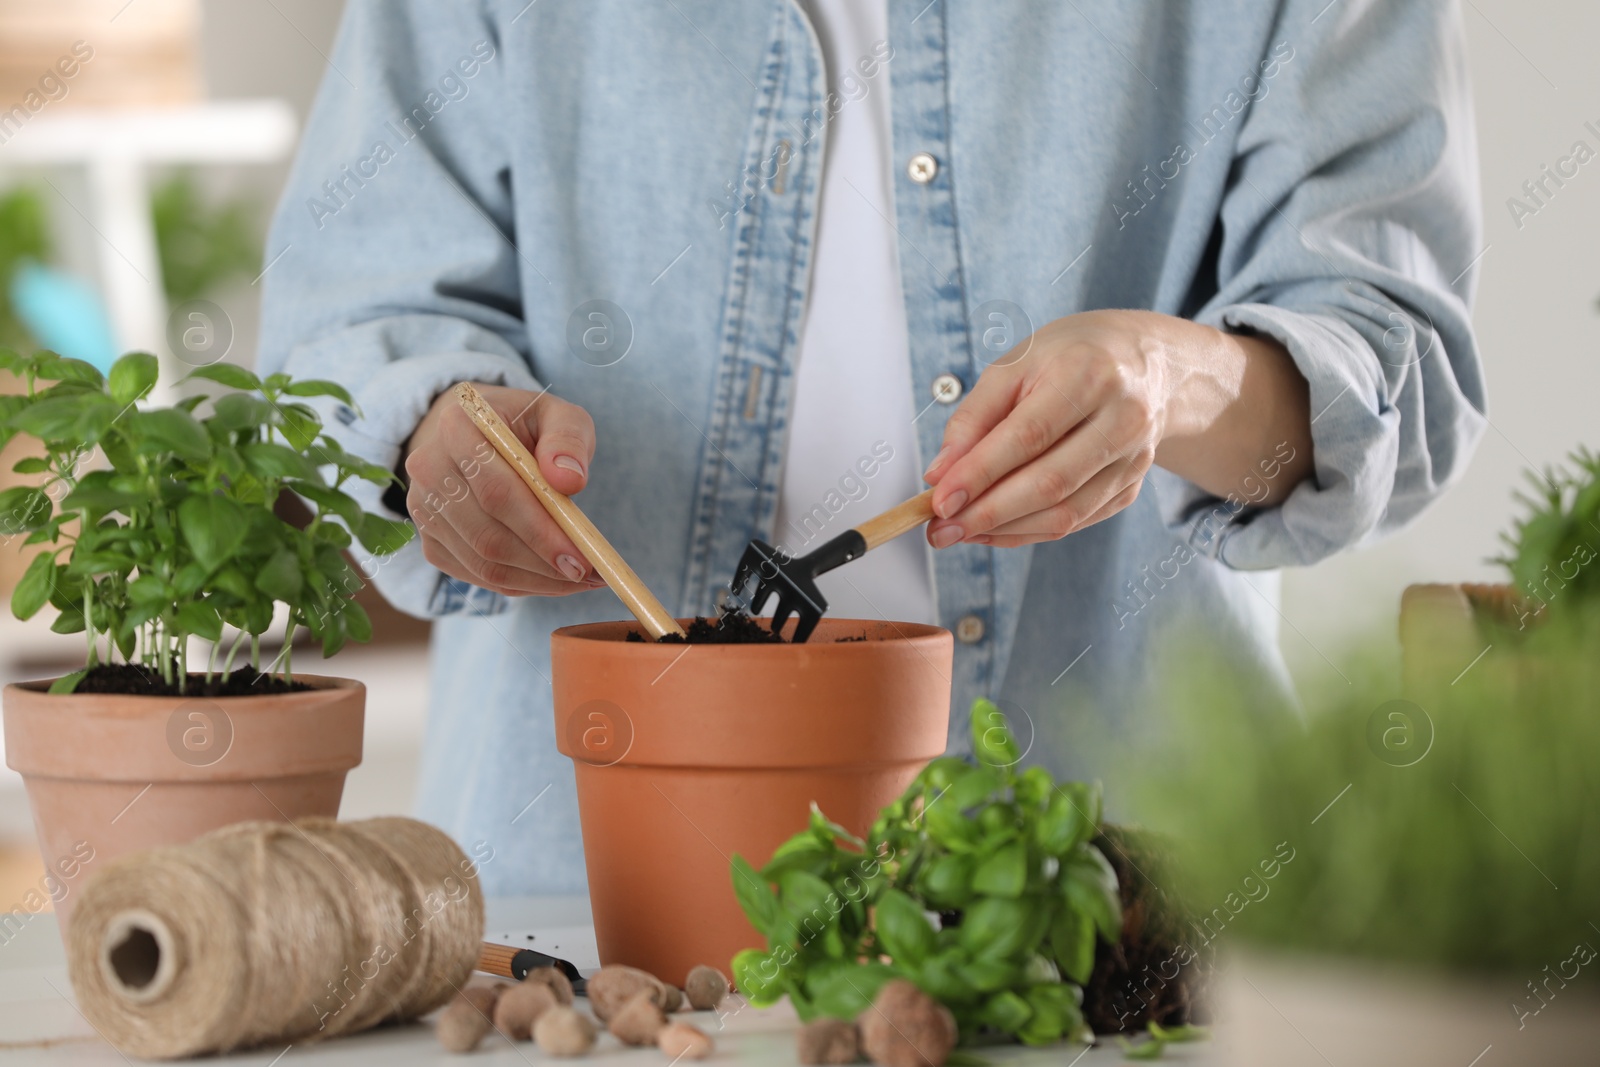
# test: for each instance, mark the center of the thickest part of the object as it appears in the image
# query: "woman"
(1188, 282)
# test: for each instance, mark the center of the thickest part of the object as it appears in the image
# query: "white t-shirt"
(852, 449)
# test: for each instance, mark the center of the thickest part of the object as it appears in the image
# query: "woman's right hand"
(477, 519)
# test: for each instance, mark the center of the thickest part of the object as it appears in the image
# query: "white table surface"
(36, 1005)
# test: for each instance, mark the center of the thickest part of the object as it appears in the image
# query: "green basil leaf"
(756, 976)
(806, 905)
(298, 424)
(132, 376)
(313, 387)
(32, 591)
(97, 494)
(903, 930)
(239, 411)
(946, 880)
(68, 682)
(357, 624)
(1004, 873)
(234, 377)
(199, 617)
(68, 622)
(1072, 943)
(23, 509)
(328, 499)
(1090, 885)
(382, 536)
(31, 465)
(54, 368)
(756, 897)
(279, 578)
(1062, 826)
(268, 459)
(170, 430)
(213, 526)
(1005, 1011)
(992, 742)
(942, 978)
(970, 788)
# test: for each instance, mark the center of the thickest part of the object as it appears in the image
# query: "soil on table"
(1159, 971)
(139, 681)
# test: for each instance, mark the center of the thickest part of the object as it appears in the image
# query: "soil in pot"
(732, 628)
(136, 680)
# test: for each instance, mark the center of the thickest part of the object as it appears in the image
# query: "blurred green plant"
(1004, 855)
(1464, 835)
(176, 534)
(24, 237)
(202, 245)
(1554, 545)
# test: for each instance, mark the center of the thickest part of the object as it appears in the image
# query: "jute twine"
(274, 932)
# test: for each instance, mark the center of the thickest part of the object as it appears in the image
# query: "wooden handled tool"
(794, 580)
(508, 961)
(590, 541)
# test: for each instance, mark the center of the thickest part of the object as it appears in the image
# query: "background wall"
(1536, 84)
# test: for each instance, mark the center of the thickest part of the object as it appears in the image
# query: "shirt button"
(947, 388)
(922, 168)
(969, 631)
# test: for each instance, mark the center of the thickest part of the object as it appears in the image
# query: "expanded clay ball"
(674, 999)
(828, 1040)
(564, 1031)
(907, 1028)
(683, 1041)
(483, 996)
(462, 1024)
(615, 984)
(705, 987)
(639, 1021)
(555, 980)
(520, 1007)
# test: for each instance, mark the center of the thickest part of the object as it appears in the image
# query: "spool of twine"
(274, 932)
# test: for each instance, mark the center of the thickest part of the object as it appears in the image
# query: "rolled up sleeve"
(391, 268)
(1350, 234)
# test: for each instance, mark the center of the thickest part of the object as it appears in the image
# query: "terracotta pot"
(109, 774)
(688, 755)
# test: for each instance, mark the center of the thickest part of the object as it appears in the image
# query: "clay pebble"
(705, 987)
(462, 1025)
(674, 999)
(906, 1028)
(638, 1021)
(557, 982)
(681, 1040)
(564, 1031)
(613, 985)
(520, 1007)
(828, 1041)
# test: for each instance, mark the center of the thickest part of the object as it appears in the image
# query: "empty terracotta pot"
(686, 755)
(109, 774)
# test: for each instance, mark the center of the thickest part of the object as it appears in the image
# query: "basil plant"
(157, 524)
(981, 884)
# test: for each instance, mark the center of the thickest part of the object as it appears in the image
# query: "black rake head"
(765, 571)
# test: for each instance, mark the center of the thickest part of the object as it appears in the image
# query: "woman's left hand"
(1059, 433)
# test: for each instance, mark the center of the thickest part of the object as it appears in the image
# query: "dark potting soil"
(732, 628)
(139, 681)
(1160, 969)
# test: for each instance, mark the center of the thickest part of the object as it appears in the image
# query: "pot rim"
(615, 632)
(321, 685)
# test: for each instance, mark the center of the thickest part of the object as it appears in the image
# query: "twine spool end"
(137, 956)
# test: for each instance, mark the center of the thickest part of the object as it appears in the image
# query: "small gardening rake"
(793, 579)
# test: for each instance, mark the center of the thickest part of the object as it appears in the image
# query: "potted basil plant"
(155, 527)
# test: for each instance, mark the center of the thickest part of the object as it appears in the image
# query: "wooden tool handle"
(590, 541)
(496, 959)
(897, 520)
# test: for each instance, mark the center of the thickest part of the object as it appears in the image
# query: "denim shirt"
(617, 201)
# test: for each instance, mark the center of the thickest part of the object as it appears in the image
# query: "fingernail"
(945, 536)
(979, 539)
(938, 459)
(570, 567)
(570, 463)
(951, 504)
